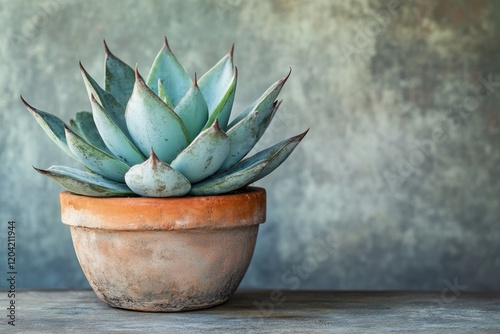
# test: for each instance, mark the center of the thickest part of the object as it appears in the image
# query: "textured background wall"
(395, 187)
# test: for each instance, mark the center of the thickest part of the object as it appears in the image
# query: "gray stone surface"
(396, 185)
(267, 312)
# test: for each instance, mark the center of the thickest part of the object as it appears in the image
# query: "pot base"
(164, 271)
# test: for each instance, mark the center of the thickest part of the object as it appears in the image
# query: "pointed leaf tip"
(39, 170)
(85, 183)
(136, 71)
(218, 85)
(108, 52)
(265, 101)
(153, 158)
(138, 76)
(155, 178)
(51, 124)
(176, 82)
(165, 44)
(152, 154)
(272, 157)
(26, 104)
(285, 78)
(193, 110)
(231, 51)
(300, 136)
(216, 125)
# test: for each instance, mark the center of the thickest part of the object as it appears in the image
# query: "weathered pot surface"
(165, 254)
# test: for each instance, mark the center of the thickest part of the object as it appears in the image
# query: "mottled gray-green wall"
(395, 187)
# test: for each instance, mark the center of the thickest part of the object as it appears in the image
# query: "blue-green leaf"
(154, 178)
(84, 126)
(229, 181)
(265, 101)
(119, 77)
(52, 125)
(173, 76)
(105, 99)
(95, 159)
(267, 118)
(204, 155)
(193, 111)
(244, 135)
(84, 183)
(274, 155)
(152, 124)
(162, 94)
(117, 142)
(216, 81)
(222, 111)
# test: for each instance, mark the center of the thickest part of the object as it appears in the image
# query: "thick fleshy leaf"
(84, 126)
(263, 102)
(204, 155)
(193, 111)
(117, 142)
(222, 111)
(226, 182)
(267, 118)
(73, 126)
(244, 135)
(95, 159)
(105, 99)
(52, 125)
(274, 155)
(84, 183)
(163, 95)
(152, 124)
(119, 77)
(154, 178)
(216, 81)
(173, 76)
(248, 170)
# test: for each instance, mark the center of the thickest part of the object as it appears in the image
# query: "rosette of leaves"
(166, 136)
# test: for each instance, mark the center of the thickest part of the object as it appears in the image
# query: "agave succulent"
(167, 135)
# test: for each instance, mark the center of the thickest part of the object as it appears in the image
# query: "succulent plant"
(166, 136)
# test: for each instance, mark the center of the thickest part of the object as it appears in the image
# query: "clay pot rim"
(243, 208)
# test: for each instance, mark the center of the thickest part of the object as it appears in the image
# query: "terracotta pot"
(165, 254)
